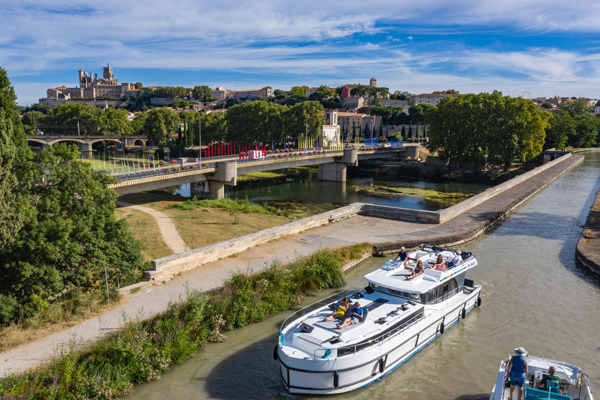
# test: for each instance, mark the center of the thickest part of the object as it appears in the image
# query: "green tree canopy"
(562, 127)
(10, 222)
(138, 85)
(547, 105)
(201, 93)
(32, 120)
(8, 103)
(298, 91)
(448, 91)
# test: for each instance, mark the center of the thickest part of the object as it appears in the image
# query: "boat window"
(442, 292)
(398, 293)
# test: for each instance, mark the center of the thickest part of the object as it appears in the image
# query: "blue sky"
(545, 47)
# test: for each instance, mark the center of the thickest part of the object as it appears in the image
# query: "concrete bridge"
(84, 143)
(332, 167)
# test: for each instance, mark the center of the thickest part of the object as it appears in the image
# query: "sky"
(519, 47)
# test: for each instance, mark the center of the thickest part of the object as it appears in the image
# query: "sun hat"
(521, 352)
(401, 248)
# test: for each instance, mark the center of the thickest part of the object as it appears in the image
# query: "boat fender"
(275, 353)
(382, 362)
(336, 379)
(442, 328)
(479, 302)
(463, 314)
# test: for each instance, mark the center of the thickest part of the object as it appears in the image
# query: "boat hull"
(351, 372)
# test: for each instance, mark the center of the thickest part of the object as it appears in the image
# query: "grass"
(145, 229)
(255, 176)
(204, 222)
(142, 351)
(65, 313)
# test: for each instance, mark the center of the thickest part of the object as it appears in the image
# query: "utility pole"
(199, 139)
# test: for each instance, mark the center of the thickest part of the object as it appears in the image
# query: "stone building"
(90, 87)
(431, 99)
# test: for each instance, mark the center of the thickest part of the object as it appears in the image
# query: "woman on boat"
(440, 264)
(417, 271)
(341, 310)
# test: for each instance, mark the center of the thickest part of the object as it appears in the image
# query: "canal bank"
(588, 246)
(155, 299)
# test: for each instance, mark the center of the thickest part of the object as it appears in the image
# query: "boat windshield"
(397, 293)
(319, 304)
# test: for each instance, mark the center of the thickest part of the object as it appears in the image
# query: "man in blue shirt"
(357, 315)
(402, 257)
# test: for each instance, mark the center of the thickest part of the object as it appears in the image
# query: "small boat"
(401, 316)
(575, 384)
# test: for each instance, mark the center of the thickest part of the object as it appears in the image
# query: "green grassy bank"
(142, 351)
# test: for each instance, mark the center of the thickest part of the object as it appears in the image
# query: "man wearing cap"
(357, 315)
(550, 382)
(517, 366)
(402, 257)
(456, 260)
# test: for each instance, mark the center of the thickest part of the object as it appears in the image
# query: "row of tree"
(489, 128)
(58, 230)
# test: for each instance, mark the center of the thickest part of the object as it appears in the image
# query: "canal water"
(534, 295)
(306, 187)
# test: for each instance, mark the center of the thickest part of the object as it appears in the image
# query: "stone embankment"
(588, 246)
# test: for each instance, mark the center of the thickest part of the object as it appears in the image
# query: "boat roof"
(393, 275)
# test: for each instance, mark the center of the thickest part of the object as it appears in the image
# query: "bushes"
(144, 350)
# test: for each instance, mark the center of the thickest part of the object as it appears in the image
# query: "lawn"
(145, 229)
(201, 225)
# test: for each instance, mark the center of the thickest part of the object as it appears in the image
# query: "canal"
(534, 295)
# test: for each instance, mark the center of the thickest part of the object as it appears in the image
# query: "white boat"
(402, 317)
(575, 384)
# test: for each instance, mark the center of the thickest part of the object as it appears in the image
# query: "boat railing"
(315, 306)
(344, 351)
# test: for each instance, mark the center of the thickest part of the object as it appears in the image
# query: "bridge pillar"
(86, 150)
(226, 175)
(336, 172)
(333, 172)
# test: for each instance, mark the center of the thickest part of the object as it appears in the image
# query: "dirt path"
(167, 228)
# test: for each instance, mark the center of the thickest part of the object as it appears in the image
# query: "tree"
(138, 85)
(574, 108)
(259, 120)
(8, 103)
(201, 93)
(587, 131)
(11, 220)
(32, 121)
(399, 95)
(322, 93)
(70, 235)
(547, 105)
(155, 127)
(449, 91)
(298, 91)
(117, 122)
(561, 128)
(358, 91)
(179, 103)
(403, 131)
(302, 116)
(418, 112)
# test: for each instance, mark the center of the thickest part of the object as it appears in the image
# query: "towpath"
(155, 299)
(167, 228)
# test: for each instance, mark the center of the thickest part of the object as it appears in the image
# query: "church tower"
(108, 73)
(373, 82)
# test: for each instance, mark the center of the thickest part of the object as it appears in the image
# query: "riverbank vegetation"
(143, 350)
(145, 229)
(59, 236)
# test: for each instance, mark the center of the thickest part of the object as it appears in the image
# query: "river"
(305, 187)
(534, 295)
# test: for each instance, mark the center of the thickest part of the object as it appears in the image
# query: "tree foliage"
(201, 93)
(479, 127)
(562, 127)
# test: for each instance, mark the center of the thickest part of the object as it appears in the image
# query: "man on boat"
(518, 369)
(402, 257)
(550, 382)
(357, 315)
(456, 260)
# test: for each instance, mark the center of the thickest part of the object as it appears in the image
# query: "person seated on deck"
(440, 264)
(341, 310)
(456, 260)
(357, 315)
(402, 257)
(550, 382)
(417, 271)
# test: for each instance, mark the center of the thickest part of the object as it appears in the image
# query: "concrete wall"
(403, 214)
(588, 245)
(457, 209)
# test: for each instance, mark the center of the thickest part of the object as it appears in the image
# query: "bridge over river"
(221, 171)
(84, 143)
